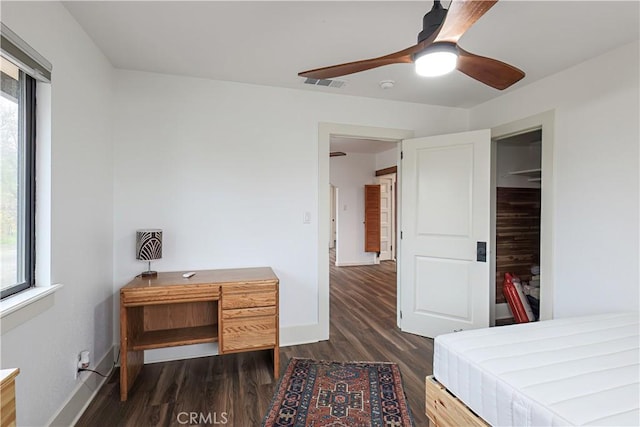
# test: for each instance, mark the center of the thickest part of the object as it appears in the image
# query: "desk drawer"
(248, 312)
(248, 299)
(248, 333)
(168, 295)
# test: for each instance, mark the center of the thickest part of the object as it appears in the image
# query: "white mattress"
(578, 371)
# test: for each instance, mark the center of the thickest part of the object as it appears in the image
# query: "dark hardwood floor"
(237, 388)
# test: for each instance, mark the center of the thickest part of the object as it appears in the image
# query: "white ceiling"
(268, 43)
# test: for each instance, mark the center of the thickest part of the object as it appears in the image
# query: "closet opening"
(518, 189)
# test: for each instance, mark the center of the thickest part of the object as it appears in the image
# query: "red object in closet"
(511, 294)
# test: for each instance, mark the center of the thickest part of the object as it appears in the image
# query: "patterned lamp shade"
(149, 247)
(148, 244)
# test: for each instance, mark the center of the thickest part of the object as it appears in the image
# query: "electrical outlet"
(83, 361)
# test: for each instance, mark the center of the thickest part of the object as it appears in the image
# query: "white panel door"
(386, 218)
(445, 212)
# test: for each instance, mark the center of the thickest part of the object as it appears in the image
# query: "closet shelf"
(528, 172)
(533, 174)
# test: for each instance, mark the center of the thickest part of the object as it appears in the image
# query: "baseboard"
(354, 264)
(296, 335)
(290, 335)
(90, 383)
(87, 388)
(178, 353)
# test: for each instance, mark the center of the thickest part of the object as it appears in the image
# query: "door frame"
(544, 121)
(392, 208)
(325, 130)
(333, 217)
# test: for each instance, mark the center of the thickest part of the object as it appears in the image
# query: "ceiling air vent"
(325, 82)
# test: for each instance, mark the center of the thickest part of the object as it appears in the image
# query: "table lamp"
(149, 247)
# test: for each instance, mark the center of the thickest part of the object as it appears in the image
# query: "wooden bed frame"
(446, 410)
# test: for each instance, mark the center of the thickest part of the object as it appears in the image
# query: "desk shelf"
(175, 337)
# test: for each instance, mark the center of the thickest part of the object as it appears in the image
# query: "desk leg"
(276, 349)
(131, 327)
(276, 362)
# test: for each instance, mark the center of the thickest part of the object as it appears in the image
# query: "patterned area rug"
(333, 394)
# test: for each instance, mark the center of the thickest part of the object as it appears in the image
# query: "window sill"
(26, 305)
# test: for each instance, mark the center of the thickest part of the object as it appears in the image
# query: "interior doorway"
(518, 182)
(543, 121)
(540, 126)
(362, 200)
(325, 132)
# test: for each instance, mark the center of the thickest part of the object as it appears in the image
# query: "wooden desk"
(238, 308)
(8, 397)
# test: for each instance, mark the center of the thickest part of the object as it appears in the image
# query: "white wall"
(228, 170)
(387, 159)
(350, 174)
(596, 182)
(45, 348)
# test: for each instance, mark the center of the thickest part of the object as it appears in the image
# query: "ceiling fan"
(437, 50)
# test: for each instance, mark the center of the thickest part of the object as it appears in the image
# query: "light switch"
(306, 218)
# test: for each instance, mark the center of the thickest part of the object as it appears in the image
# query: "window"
(20, 67)
(17, 185)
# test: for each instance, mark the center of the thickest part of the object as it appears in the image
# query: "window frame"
(27, 126)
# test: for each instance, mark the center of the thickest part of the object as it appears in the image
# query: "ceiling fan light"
(436, 61)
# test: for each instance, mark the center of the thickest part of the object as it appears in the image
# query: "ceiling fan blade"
(460, 17)
(400, 57)
(489, 71)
